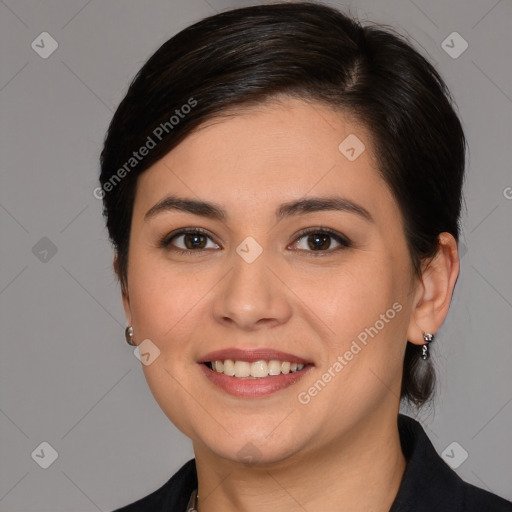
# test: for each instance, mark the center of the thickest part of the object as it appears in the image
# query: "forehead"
(268, 154)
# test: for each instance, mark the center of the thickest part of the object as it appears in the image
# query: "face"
(258, 245)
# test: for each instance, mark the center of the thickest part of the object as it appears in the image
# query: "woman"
(283, 188)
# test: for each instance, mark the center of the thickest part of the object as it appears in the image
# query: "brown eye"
(189, 240)
(194, 241)
(320, 240)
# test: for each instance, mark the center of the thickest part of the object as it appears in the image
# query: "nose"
(251, 297)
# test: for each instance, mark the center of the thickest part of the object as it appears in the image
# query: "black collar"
(428, 483)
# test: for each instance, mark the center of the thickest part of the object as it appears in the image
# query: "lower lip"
(253, 388)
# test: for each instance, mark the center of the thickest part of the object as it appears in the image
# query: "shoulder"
(173, 495)
(476, 500)
(430, 485)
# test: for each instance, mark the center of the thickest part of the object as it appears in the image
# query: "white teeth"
(257, 369)
(242, 369)
(229, 367)
(274, 367)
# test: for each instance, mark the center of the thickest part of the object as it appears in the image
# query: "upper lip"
(259, 354)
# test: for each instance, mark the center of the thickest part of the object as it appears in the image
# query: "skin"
(341, 448)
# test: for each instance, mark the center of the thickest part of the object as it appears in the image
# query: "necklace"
(192, 502)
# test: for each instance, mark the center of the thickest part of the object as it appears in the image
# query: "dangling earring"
(128, 334)
(428, 337)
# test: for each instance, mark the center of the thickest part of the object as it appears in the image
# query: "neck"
(359, 472)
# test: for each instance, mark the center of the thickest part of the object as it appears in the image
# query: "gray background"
(67, 376)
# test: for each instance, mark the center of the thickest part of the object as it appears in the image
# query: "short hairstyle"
(247, 56)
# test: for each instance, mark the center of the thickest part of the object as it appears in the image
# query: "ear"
(124, 292)
(434, 292)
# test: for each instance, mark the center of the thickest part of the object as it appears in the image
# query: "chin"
(253, 452)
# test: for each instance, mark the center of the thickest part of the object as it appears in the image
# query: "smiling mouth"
(254, 370)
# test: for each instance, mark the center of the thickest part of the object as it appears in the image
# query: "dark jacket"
(428, 484)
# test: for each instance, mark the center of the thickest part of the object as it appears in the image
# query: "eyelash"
(165, 242)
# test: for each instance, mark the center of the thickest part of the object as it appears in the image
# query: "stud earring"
(128, 334)
(428, 338)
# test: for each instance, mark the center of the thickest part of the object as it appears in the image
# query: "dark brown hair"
(247, 56)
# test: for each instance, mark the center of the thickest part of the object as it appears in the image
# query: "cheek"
(165, 309)
(365, 308)
(164, 300)
(171, 388)
(354, 297)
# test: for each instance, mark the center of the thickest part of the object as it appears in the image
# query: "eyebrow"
(292, 208)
